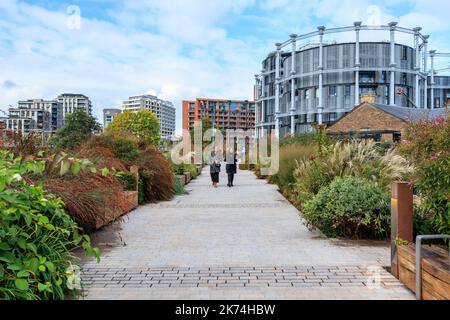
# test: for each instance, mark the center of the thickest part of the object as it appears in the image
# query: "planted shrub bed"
(36, 234)
(340, 187)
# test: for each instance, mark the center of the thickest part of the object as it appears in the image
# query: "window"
(308, 94)
(348, 90)
(404, 79)
(404, 53)
(332, 91)
(383, 77)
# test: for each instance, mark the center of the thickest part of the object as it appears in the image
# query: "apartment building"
(225, 114)
(70, 102)
(44, 116)
(305, 81)
(109, 115)
(164, 111)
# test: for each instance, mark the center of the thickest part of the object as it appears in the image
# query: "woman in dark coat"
(231, 166)
(214, 167)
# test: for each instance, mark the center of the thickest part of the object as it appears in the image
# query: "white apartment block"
(70, 102)
(164, 110)
(45, 116)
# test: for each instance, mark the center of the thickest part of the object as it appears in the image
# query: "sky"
(178, 49)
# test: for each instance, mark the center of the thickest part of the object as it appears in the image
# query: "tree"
(79, 125)
(143, 124)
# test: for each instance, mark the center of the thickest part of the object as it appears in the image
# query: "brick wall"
(368, 118)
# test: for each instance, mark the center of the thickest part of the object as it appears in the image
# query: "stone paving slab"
(215, 277)
(246, 242)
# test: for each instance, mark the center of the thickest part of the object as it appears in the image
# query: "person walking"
(214, 167)
(231, 166)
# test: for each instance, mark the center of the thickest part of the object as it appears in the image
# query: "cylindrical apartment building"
(301, 84)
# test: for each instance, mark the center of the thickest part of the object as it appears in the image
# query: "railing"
(418, 257)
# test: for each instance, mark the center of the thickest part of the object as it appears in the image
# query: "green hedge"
(350, 207)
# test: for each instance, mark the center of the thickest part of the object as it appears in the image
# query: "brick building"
(380, 122)
(226, 114)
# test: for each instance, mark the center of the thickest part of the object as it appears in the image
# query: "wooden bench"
(435, 271)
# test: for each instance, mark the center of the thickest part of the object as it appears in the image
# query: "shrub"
(125, 149)
(89, 198)
(178, 187)
(36, 235)
(349, 207)
(289, 155)
(302, 139)
(427, 144)
(129, 180)
(78, 127)
(143, 124)
(341, 159)
(156, 174)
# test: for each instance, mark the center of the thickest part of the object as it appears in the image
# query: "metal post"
(257, 104)
(419, 257)
(432, 53)
(425, 70)
(401, 218)
(263, 102)
(320, 68)
(357, 25)
(277, 90)
(392, 65)
(293, 72)
(416, 67)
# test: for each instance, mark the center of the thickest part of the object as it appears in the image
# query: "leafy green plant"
(349, 207)
(125, 149)
(289, 155)
(36, 235)
(427, 144)
(143, 124)
(78, 127)
(178, 187)
(129, 180)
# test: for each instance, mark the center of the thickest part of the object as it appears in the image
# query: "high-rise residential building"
(304, 81)
(164, 110)
(109, 115)
(70, 102)
(224, 114)
(50, 106)
(44, 116)
(29, 120)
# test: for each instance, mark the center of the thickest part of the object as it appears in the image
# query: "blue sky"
(176, 49)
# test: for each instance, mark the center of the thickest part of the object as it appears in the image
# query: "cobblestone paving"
(288, 276)
(245, 242)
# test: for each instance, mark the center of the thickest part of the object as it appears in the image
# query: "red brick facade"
(226, 114)
(367, 118)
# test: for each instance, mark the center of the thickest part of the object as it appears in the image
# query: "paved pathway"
(245, 242)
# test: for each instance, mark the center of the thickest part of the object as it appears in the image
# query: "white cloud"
(177, 49)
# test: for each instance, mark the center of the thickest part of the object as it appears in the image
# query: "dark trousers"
(215, 177)
(230, 178)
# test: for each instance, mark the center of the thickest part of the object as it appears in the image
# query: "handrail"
(418, 257)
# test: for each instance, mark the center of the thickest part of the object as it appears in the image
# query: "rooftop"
(410, 114)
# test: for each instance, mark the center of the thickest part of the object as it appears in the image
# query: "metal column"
(392, 65)
(293, 72)
(277, 90)
(432, 53)
(425, 70)
(417, 67)
(320, 68)
(357, 25)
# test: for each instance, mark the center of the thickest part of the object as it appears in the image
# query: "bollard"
(401, 218)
